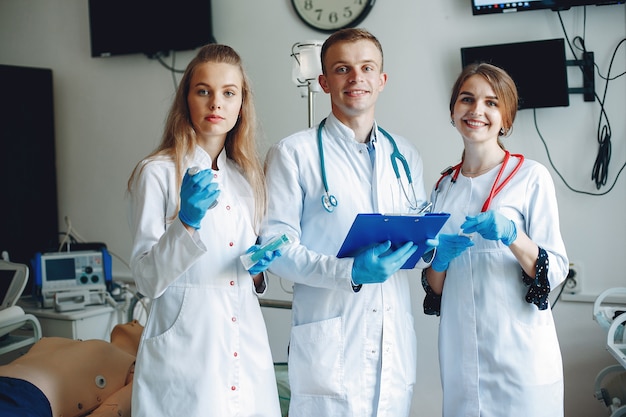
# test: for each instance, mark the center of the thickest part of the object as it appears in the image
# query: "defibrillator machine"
(72, 280)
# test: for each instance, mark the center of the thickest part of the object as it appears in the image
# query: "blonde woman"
(196, 205)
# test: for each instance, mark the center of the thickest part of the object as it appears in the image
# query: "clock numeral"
(327, 15)
(333, 17)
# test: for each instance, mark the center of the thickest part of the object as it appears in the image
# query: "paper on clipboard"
(374, 228)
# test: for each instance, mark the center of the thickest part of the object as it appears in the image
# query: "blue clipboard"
(370, 229)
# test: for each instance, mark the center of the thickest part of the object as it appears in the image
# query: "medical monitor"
(538, 68)
(13, 278)
(480, 7)
(148, 27)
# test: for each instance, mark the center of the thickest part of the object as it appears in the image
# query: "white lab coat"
(499, 354)
(204, 350)
(351, 354)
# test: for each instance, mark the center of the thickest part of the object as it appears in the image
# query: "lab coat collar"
(337, 130)
(203, 160)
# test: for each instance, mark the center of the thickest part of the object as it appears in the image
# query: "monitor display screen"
(148, 26)
(60, 269)
(492, 6)
(537, 67)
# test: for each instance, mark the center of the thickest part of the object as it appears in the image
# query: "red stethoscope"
(497, 185)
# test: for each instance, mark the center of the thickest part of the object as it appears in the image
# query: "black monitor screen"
(148, 26)
(492, 6)
(60, 269)
(537, 67)
(29, 221)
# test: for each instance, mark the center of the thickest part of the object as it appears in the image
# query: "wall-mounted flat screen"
(493, 7)
(29, 221)
(148, 26)
(537, 67)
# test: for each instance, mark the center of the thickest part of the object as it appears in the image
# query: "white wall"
(109, 113)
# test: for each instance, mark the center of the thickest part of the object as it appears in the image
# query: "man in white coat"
(353, 344)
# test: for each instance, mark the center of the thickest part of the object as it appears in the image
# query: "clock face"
(331, 15)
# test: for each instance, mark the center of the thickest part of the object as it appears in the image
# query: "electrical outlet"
(573, 282)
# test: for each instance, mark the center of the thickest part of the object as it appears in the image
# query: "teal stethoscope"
(329, 201)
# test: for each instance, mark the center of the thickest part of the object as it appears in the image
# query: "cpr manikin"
(78, 377)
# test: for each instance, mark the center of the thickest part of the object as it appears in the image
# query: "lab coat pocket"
(316, 364)
(539, 354)
(168, 310)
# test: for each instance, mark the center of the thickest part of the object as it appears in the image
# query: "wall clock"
(331, 15)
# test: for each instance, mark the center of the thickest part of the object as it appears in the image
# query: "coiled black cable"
(600, 170)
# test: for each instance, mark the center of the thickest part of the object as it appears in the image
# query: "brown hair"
(179, 137)
(502, 84)
(349, 35)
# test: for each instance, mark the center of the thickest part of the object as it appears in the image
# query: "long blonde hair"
(179, 137)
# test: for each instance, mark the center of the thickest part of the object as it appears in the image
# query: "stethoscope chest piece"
(329, 202)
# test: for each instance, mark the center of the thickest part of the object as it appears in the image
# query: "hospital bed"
(17, 329)
(609, 311)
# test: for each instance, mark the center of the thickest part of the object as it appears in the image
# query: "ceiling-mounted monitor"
(480, 7)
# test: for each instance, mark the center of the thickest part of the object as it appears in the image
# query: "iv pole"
(307, 67)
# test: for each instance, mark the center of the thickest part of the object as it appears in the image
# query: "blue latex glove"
(197, 194)
(378, 263)
(448, 248)
(491, 225)
(263, 263)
